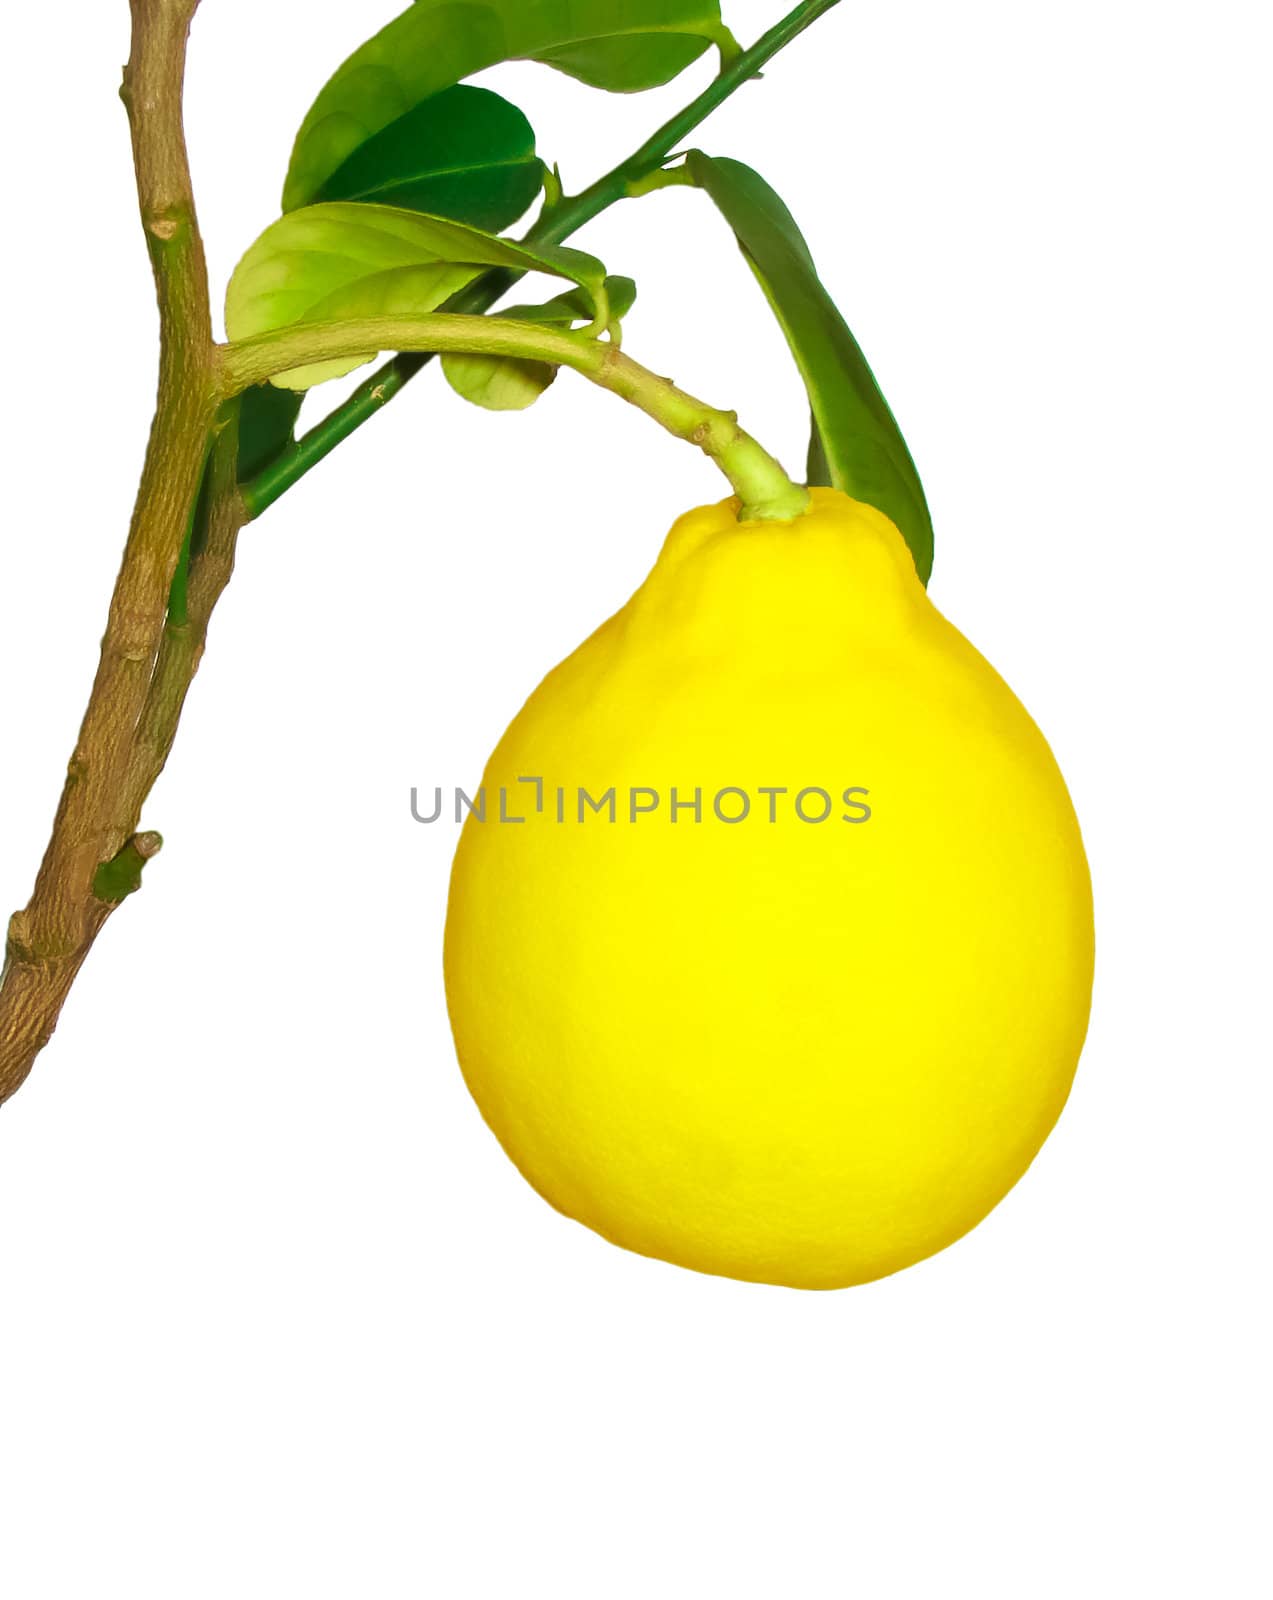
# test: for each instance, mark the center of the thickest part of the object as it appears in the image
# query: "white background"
(276, 1315)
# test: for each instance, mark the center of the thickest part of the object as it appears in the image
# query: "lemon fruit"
(736, 1034)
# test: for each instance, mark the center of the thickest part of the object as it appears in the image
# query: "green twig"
(557, 222)
(565, 219)
(662, 178)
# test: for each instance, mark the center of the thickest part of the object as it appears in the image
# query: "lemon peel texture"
(791, 1051)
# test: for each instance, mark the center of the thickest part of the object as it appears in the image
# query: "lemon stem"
(765, 492)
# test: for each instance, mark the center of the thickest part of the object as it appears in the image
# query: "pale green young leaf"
(497, 383)
(576, 305)
(503, 383)
(345, 260)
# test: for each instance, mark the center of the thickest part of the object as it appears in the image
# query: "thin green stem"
(304, 455)
(679, 176)
(565, 219)
(557, 222)
(765, 491)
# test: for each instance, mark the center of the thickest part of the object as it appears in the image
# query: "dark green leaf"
(611, 44)
(347, 259)
(267, 418)
(465, 153)
(857, 446)
(818, 468)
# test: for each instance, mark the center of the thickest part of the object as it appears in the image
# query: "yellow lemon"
(785, 973)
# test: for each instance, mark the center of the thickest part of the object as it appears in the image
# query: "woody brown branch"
(106, 781)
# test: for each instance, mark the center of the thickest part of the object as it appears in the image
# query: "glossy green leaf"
(346, 259)
(465, 153)
(267, 422)
(627, 65)
(858, 446)
(612, 44)
(503, 383)
(818, 468)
